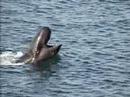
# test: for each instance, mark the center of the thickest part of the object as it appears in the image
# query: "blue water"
(94, 60)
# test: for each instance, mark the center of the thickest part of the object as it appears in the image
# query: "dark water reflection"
(49, 65)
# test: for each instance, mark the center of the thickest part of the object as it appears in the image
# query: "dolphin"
(39, 50)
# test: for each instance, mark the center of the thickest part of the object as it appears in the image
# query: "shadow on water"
(48, 67)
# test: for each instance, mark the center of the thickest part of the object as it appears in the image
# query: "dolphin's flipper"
(55, 49)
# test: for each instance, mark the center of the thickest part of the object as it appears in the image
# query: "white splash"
(9, 58)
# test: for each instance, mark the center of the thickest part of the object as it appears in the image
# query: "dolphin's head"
(41, 39)
(44, 35)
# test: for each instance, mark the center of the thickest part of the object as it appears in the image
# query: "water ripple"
(95, 56)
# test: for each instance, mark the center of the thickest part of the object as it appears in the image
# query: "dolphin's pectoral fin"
(58, 48)
(55, 49)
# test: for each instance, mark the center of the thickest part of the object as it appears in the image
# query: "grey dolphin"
(39, 50)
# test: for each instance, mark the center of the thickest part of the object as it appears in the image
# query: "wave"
(9, 58)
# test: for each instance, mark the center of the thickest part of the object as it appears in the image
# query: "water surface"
(94, 60)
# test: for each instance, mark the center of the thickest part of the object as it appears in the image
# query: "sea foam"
(9, 58)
